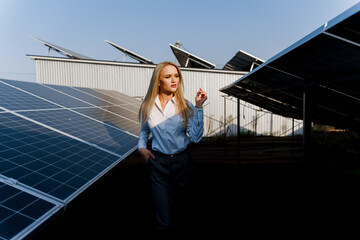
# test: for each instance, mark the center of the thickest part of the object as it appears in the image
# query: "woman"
(174, 123)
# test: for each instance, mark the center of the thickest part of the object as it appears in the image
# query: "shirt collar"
(157, 100)
(158, 104)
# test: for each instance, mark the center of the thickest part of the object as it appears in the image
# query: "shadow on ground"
(228, 201)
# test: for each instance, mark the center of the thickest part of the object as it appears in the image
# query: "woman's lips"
(173, 85)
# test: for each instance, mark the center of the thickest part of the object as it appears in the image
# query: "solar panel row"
(21, 211)
(325, 63)
(56, 141)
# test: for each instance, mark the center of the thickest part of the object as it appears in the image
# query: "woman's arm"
(143, 138)
(195, 126)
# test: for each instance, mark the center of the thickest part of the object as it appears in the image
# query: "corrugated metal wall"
(133, 80)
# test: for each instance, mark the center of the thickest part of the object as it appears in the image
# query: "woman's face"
(169, 79)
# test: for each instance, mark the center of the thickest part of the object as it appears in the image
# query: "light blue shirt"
(166, 127)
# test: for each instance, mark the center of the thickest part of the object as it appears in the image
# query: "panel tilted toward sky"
(131, 54)
(325, 63)
(55, 141)
(61, 50)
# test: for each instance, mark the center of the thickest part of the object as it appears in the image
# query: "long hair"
(154, 89)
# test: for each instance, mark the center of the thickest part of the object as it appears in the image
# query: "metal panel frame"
(131, 54)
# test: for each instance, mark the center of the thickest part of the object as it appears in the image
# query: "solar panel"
(121, 96)
(46, 160)
(103, 96)
(62, 50)
(131, 54)
(93, 100)
(187, 59)
(48, 94)
(113, 116)
(12, 98)
(21, 212)
(55, 141)
(104, 135)
(243, 61)
(327, 61)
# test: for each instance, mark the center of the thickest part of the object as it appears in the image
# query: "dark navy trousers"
(171, 177)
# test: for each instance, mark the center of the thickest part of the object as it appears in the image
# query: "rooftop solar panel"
(187, 59)
(62, 50)
(131, 54)
(55, 141)
(243, 61)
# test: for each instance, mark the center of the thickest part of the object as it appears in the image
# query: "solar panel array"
(326, 63)
(55, 141)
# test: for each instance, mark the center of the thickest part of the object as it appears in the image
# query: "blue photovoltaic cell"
(130, 107)
(48, 94)
(124, 111)
(98, 94)
(14, 99)
(46, 160)
(19, 210)
(121, 97)
(84, 134)
(107, 136)
(80, 95)
(118, 120)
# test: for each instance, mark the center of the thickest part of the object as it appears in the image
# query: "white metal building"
(133, 79)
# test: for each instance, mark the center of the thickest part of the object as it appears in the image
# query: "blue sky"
(213, 30)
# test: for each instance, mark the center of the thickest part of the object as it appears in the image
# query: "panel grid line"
(53, 148)
(63, 107)
(61, 132)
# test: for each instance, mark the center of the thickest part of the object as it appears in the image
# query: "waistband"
(160, 154)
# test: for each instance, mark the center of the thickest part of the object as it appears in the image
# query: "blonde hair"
(154, 89)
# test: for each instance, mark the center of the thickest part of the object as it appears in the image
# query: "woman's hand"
(200, 98)
(145, 154)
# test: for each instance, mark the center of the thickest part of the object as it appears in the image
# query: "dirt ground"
(259, 197)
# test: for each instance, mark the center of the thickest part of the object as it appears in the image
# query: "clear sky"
(212, 30)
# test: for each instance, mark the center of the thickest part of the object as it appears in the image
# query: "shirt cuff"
(199, 115)
(141, 145)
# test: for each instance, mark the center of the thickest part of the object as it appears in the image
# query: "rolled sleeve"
(195, 126)
(143, 136)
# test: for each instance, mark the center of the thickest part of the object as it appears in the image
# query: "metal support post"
(307, 129)
(238, 131)
(293, 139)
(225, 132)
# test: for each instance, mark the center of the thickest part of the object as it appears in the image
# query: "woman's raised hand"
(200, 98)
